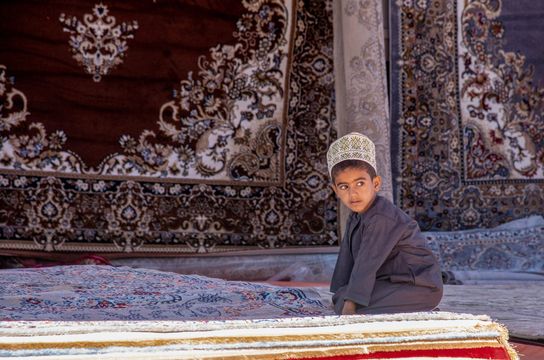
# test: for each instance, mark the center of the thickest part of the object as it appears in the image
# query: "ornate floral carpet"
(91, 312)
(467, 109)
(97, 292)
(165, 127)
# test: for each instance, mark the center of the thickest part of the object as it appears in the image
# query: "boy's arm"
(381, 236)
(344, 264)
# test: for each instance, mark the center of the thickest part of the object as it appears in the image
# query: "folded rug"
(416, 335)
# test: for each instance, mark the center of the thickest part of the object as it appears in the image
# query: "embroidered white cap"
(353, 146)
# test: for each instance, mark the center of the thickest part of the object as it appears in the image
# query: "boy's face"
(355, 189)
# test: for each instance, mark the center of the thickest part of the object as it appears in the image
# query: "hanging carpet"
(467, 86)
(165, 127)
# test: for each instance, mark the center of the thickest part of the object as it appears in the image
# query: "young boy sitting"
(384, 264)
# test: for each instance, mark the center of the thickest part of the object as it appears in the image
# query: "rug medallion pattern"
(468, 115)
(98, 44)
(234, 160)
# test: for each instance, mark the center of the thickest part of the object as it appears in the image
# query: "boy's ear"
(333, 187)
(377, 183)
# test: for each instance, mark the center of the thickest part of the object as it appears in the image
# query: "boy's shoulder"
(385, 209)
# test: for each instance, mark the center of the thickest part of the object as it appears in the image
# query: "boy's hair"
(355, 164)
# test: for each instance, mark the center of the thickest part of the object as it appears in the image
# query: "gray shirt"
(383, 244)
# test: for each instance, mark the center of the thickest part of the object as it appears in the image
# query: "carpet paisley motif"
(502, 106)
(467, 114)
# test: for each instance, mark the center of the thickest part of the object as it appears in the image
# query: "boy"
(384, 264)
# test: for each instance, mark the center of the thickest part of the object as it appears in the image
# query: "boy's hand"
(349, 307)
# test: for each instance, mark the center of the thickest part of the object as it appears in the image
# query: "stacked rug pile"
(419, 335)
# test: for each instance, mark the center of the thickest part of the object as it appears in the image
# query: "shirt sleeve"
(344, 265)
(378, 240)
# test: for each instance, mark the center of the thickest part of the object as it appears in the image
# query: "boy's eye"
(343, 187)
(360, 183)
